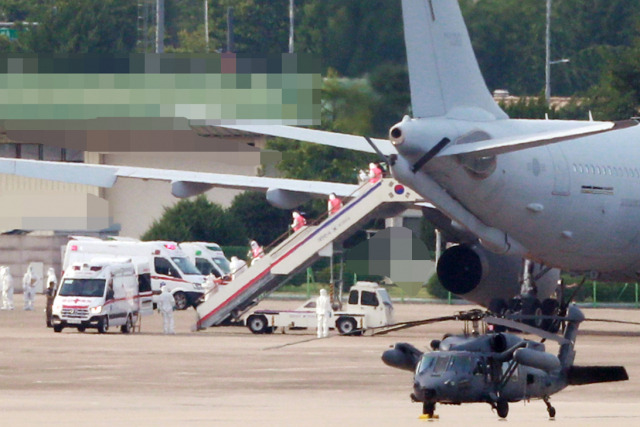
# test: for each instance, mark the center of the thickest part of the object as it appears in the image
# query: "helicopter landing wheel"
(428, 409)
(502, 407)
(550, 409)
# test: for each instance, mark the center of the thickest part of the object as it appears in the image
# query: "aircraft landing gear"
(502, 407)
(550, 409)
(428, 409)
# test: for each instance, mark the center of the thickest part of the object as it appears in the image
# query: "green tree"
(262, 222)
(197, 220)
(84, 26)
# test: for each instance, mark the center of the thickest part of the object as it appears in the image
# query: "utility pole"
(206, 25)
(547, 62)
(159, 26)
(290, 26)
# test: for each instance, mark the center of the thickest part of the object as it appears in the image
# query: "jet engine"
(479, 275)
(402, 356)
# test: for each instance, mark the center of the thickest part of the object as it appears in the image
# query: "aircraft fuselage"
(573, 204)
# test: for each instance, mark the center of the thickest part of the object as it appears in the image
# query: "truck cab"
(99, 294)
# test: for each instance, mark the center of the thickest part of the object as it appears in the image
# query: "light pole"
(206, 25)
(290, 26)
(548, 62)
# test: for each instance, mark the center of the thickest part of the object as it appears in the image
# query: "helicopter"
(496, 367)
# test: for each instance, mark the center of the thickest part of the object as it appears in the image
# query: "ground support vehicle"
(369, 306)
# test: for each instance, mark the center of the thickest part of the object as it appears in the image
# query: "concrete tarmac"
(229, 377)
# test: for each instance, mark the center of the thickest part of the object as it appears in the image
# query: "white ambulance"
(208, 257)
(167, 262)
(102, 293)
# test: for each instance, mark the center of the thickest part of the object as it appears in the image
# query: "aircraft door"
(561, 172)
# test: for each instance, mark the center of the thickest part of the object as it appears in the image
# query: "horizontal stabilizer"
(333, 139)
(581, 375)
(497, 146)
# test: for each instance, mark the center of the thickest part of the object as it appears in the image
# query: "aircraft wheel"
(428, 408)
(502, 406)
(552, 412)
(531, 307)
(550, 307)
(257, 324)
(498, 306)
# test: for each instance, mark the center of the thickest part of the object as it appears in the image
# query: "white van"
(208, 258)
(168, 264)
(99, 294)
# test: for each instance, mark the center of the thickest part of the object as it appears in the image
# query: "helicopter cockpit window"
(441, 364)
(426, 364)
(460, 364)
(369, 298)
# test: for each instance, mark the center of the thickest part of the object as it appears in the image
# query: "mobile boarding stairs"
(385, 198)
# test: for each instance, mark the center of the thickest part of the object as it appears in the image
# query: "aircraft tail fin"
(444, 75)
(582, 375)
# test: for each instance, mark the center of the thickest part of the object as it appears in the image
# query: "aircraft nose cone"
(424, 394)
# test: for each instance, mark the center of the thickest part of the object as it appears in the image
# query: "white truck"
(369, 306)
(208, 258)
(102, 293)
(168, 264)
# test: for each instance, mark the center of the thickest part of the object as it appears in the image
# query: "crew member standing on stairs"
(334, 204)
(298, 221)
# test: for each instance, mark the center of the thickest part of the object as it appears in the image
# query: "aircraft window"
(609, 172)
(575, 168)
(597, 170)
(426, 364)
(480, 367)
(369, 298)
(353, 297)
(636, 171)
(590, 169)
(580, 169)
(441, 364)
(460, 364)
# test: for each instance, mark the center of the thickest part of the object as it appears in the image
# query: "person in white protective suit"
(237, 266)
(29, 288)
(6, 281)
(323, 313)
(166, 305)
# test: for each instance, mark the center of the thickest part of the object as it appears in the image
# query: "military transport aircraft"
(562, 194)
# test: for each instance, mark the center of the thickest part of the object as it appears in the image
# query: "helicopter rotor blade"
(525, 328)
(469, 315)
